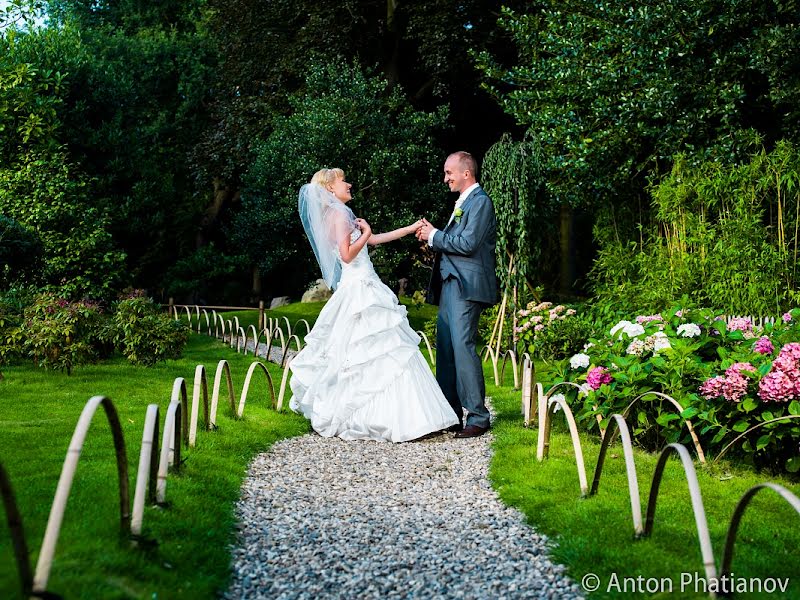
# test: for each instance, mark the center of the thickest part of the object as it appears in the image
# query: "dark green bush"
(145, 334)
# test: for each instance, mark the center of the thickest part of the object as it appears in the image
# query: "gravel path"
(326, 518)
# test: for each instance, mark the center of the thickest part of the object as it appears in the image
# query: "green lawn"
(39, 409)
(38, 413)
(595, 535)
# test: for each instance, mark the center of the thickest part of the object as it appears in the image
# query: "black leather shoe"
(471, 431)
(455, 428)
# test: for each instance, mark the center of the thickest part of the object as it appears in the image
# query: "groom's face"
(454, 175)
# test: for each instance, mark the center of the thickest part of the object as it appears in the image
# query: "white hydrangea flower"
(636, 347)
(554, 400)
(660, 342)
(579, 361)
(631, 329)
(585, 390)
(689, 330)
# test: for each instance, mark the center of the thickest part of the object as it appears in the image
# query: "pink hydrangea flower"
(732, 386)
(782, 383)
(763, 346)
(597, 377)
(787, 317)
(742, 324)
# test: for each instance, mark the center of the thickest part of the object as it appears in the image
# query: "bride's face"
(341, 189)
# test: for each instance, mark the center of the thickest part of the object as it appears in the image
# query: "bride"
(361, 374)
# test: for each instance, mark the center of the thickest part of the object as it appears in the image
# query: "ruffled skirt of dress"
(361, 374)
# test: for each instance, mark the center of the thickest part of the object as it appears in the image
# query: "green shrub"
(145, 334)
(60, 334)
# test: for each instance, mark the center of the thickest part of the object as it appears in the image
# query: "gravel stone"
(327, 518)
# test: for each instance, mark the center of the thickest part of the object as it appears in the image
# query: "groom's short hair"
(467, 162)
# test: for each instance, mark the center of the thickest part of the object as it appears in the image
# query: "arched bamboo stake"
(279, 331)
(308, 327)
(222, 368)
(170, 448)
(528, 388)
(252, 329)
(200, 388)
(246, 387)
(241, 337)
(546, 412)
(216, 322)
(208, 323)
(286, 350)
(700, 454)
(493, 356)
(738, 512)
(267, 333)
(236, 325)
(701, 523)
(506, 355)
(147, 474)
(47, 551)
(630, 469)
(179, 395)
(229, 325)
(288, 326)
(741, 435)
(188, 315)
(432, 360)
(284, 380)
(14, 520)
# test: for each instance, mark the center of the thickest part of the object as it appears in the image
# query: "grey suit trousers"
(458, 366)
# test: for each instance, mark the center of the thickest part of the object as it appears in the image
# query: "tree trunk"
(567, 243)
(222, 195)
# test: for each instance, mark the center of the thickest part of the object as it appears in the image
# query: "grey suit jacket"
(466, 250)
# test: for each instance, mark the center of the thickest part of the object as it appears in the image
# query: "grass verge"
(38, 413)
(595, 535)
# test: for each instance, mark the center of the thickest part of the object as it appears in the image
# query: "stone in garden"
(279, 301)
(319, 292)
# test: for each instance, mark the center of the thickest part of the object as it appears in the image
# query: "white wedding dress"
(361, 375)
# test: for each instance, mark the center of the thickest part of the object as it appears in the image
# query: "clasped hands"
(423, 229)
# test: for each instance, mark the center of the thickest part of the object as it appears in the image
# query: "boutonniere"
(457, 214)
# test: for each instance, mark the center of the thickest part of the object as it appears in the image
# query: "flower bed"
(730, 376)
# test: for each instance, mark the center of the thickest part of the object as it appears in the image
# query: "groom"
(463, 283)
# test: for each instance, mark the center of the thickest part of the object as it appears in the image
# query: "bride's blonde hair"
(326, 177)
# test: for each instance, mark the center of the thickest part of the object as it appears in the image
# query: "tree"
(351, 120)
(612, 91)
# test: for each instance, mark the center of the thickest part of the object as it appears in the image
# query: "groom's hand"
(425, 231)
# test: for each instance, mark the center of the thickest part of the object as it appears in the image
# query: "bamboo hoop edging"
(147, 474)
(700, 454)
(513, 355)
(284, 380)
(199, 388)
(701, 523)
(738, 513)
(58, 507)
(179, 395)
(630, 469)
(170, 448)
(222, 368)
(246, 386)
(17, 531)
(744, 433)
(424, 336)
(546, 412)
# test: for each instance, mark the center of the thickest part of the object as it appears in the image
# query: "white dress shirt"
(459, 202)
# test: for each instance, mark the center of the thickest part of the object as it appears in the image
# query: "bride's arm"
(390, 236)
(346, 249)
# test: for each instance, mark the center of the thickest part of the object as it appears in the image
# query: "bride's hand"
(363, 226)
(413, 228)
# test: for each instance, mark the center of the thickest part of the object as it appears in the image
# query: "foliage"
(511, 176)
(201, 273)
(612, 90)
(349, 119)
(726, 236)
(144, 333)
(59, 334)
(47, 194)
(710, 366)
(20, 252)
